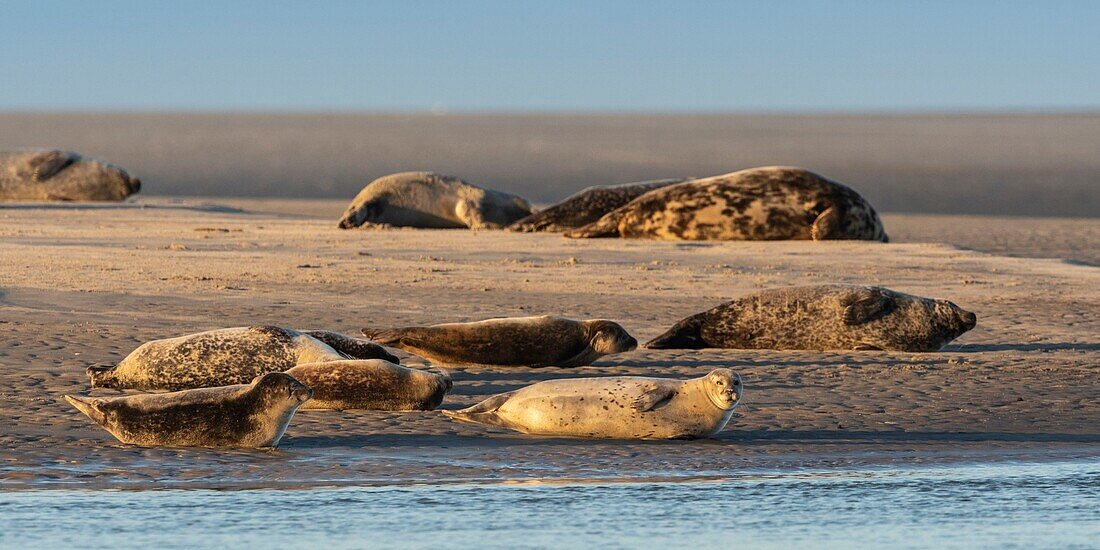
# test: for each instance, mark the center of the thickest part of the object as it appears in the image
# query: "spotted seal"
(510, 341)
(372, 384)
(56, 175)
(430, 200)
(822, 317)
(587, 206)
(227, 356)
(621, 407)
(243, 415)
(772, 203)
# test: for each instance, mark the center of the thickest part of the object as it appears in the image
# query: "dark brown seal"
(587, 206)
(371, 384)
(773, 203)
(822, 317)
(245, 415)
(515, 341)
(55, 175)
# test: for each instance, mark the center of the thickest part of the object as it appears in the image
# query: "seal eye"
(720, 383)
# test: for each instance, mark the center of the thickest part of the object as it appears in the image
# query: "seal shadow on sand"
(1055, 346)
(499, 440)
(210, 208)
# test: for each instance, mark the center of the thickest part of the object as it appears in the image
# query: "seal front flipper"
(865, 305)
(827, 225)
(484, 412)
(653, 396)
(354, 348)
(48, 164)
(89, 406)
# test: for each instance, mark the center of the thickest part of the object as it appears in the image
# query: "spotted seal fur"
(772, 203)
(227, 356)
(56, 175)
(822, 317)
(371, 384)
(244, 415)
(511, 341)
(622, 407)
(587, 206)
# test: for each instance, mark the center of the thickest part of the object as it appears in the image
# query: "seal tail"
(88, 406)
(101, 375)
(355, 348)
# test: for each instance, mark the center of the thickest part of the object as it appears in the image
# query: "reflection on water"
(1054, 504)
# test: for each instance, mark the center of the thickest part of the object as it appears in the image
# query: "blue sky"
(575, 56)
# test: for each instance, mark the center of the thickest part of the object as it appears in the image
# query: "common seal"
(243, 415)
(587, 206)
(773, 203)
(373, 384)
(55, 175)
(227, 356)
(822, 317)
(510, 341)
(429, 200)
(624, 407)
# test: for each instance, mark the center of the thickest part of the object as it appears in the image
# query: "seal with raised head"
(822, 317)
(227, 356)
(772, 203)
(510, 341)
(243, 415)
(56, 175)
(621, 407)
(371, 384)
(430, 200)
(587, 206)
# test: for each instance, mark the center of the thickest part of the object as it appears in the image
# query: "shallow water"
(1049, 504)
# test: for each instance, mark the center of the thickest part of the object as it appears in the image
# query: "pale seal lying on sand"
(244, 415)
(587, 206)
(622, 407)
(227, 356)
(822, 317)
(373, 384)
(55, 175)
(513, 341)
(429, 200)
(773, 203)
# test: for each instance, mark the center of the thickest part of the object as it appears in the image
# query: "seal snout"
(300, 391)
(969, 319)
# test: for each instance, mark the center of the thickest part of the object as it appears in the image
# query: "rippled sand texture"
(85, 284)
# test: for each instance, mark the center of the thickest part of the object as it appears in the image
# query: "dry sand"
(87, 283)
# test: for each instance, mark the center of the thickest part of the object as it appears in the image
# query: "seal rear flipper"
(101, 375)
(354, 348)
(865, 305)
(605, 227)
(653, 396)
(384, 336)
(827, 225)
(89, 406)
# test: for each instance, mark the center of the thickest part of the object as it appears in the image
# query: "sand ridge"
(85, 284)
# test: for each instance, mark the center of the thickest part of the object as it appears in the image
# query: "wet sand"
(85, 284)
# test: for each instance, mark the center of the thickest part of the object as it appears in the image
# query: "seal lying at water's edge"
(625, 407)
(245, 415)
(587, 206)
(822, 317)
(372, 384)
(511, 341)
(55, 175)
(429, 200)
(227, 356)
(772, 203)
